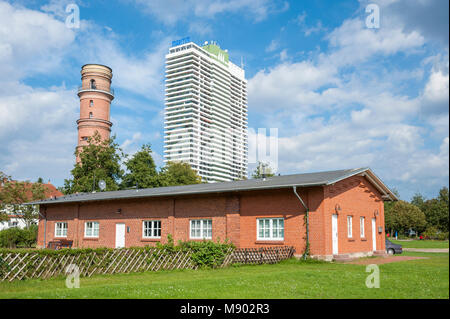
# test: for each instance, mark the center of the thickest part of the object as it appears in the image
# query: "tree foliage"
(141, 170)
(102, 160)
(15, 237)
(262, 169)
(13, 194)
(402, 216)
(177, 173)
(99, 160)
(436, 210)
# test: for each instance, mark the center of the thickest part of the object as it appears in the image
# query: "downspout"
(45, 224)
(306, 254)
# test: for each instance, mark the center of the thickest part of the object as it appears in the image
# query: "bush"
(431, 233)
(204, 253)
(16, 237)
(207, 253)
(442, 236)
(11, 237)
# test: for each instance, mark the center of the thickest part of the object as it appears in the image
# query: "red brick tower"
(95, 95)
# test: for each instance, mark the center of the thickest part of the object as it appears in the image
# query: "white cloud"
(354, 43)
(38, 126)
(170, 12)
(274, 44)
(30, 42)
(344, 108)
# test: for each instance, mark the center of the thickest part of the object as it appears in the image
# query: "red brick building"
(346, 214)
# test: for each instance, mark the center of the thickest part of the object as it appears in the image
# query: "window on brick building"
(91, 115)
(270, 229)
(151, 229)
(91, 103)
(201, 229)
(61, 229)
(361, 226)
(91, 229)
(349, 226)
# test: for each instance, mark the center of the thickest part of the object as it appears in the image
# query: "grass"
(425, 278)
(422, 243)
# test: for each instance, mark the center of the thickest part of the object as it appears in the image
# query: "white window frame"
(349, 226)
(93, 235)
(203, 223)
(271, 237)
(362, 225)
(59, 232)
(153, 226)
(13, 223)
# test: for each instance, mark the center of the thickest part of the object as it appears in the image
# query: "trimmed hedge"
(203, 254)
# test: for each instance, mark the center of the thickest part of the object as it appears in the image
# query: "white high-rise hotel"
(205, 121)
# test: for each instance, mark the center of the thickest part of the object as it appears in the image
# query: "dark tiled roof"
(299, 180)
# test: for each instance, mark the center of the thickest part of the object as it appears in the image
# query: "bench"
(58, 244)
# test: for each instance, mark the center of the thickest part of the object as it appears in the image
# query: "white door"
(374, 234)
(334, 230)
(120, 235)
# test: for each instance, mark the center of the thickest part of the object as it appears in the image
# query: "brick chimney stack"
(95, 95)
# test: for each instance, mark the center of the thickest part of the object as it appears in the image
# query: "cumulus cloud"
(31, 42)
(38, 125)
(348, 107)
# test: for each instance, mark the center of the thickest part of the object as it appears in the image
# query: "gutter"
(306, 254)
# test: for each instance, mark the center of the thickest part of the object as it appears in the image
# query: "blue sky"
(341, 95)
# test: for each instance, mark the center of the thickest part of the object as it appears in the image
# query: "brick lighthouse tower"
(95, 95)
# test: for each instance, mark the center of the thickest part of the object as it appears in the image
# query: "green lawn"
(422, 243)
(427, 278)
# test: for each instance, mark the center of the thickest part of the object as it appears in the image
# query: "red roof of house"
(50, 192)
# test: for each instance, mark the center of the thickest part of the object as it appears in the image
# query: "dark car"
(392, 248)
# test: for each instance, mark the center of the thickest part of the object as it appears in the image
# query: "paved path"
(427, 250)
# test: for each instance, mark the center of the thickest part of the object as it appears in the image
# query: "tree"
(99, 160)
(14, 194)
(436, 210)
(141, 170)
(402, 216)
(262, 169)
(177, 173)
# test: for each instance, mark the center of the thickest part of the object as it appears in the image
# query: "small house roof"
(274, 182)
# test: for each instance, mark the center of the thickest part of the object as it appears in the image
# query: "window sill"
(90, 238)
(351, 239)
(151, 239)
(200, 239)
(363, 239)
(56, 237)
(269, 242)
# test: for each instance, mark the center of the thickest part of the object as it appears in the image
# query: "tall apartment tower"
(205, 121)
(95, 95)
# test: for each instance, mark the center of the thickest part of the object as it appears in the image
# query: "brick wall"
(234, 217)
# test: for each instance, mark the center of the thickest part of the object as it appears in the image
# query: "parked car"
(392, 248)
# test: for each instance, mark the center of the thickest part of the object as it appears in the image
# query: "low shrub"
(207, 253)
(434, 233)
(16, 237)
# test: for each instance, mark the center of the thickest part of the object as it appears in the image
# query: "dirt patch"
(384, 260)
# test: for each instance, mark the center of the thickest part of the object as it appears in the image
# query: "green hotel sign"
(217, 53)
